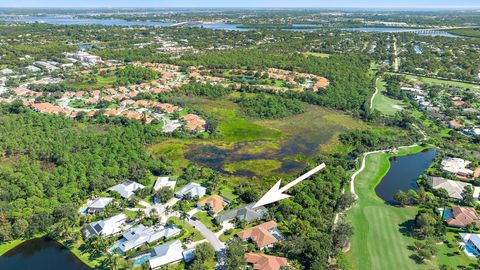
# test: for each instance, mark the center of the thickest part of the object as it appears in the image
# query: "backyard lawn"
(379, 241)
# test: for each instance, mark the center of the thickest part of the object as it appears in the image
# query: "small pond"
(403, 173)
(40, 254)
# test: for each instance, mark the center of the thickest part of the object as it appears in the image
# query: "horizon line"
(462, 8)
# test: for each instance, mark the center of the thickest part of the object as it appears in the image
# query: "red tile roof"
(462, 216)
(265, 262)
(260, 234)
(215, 202)
(455, 124)
(193, 122)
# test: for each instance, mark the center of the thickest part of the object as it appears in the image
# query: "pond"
(40, 254)
(403, 173)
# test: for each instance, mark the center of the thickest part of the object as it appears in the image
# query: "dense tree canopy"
(270, 106)
(49, 162)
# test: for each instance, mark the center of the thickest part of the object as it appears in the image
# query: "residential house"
(45, 65)
(264, 235)
(166, 254)
(471, 243)
(246, 213)
(191, 190)
(106, 227)
(32, 69)
(463, 216)
(265, 262)
(98, 205)
(127, 189)
(163, 181)
(213, 204)
(454, 188)
(141, 235)
(193, 122)
(457, 166)
(87, 58)
(454, 124)
(6, 71)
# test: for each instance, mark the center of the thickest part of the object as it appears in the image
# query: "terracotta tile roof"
(265, 262)
(215, 202)
(96, 93)
(455, 124)
(260, 234)
(108, 98)
(476, 173)
(462, 216)
(111, 112)
(20, 91)
(194, 122)
(458, 103)
(48, 108)
(111, 91)
(169, 108)
(92, 100)
(132, 115)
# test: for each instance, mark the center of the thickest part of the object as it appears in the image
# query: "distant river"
(403, 173)
(69, 20)
(433, 33)
(40, 254)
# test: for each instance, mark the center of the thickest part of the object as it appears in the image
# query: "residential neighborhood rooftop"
(263, 235)
(127, 188)
(265, 262)
(463, 216)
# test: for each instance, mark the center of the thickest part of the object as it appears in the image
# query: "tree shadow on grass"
(417, 259)
(406, 228)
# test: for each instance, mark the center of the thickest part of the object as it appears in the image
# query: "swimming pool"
(448, 213)
(83, 210)
(142, 260)
(470, 250)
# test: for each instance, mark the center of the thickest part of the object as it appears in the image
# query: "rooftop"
(261, 234)
(127, 189)
(265, 262)
(214, 202)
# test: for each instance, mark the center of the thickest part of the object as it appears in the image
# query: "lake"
(40, 254)
(403, 173)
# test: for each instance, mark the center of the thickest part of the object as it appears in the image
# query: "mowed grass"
(322, 55)
(443, 82)
(207, 220)
(378, 241)
(384, 104)
(101, 82)
(256, 166)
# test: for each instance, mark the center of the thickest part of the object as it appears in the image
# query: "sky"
(405, 4)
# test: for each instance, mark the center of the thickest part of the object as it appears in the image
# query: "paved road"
(209, 235)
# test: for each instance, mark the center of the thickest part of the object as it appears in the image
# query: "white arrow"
(276, 193)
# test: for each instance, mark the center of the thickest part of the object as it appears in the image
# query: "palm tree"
(140, 214)
(168, 209)
(184, 215)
